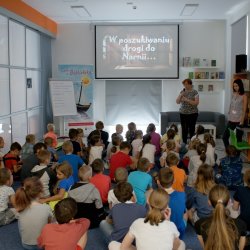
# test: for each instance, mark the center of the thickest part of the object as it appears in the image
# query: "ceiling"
(61, 11)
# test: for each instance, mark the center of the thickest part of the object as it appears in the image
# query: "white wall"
(198, 40)
(75, 45)
(234, 17)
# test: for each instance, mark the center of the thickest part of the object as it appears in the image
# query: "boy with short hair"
(88, 198)
(140, 180)
(121, 175)
(46, 175)
(73, 136)
(116, 224)
(12, 159)
(27, 148)
(75, 161)
(179, 174)
(121, 159)
(177, 201)
(102, 182)
(31, 161)
(53, 235)
(48, 142)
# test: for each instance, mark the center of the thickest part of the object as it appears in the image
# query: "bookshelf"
(210, 77)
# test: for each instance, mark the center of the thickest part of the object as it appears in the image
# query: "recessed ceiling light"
(129, 3)
(189, 9)
(81, 11)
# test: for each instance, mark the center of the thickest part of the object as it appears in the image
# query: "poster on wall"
(82, 77)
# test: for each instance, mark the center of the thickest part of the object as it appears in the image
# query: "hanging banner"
(82, 77)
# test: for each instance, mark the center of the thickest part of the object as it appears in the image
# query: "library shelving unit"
(207, 79)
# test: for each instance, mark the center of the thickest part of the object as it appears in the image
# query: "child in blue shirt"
(74, 161)
(141, 181)
(177, 202)
(231, 168)
(65, 181)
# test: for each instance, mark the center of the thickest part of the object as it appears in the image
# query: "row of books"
(206, 75)
(198, 62)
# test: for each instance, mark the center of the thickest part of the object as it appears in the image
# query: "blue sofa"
(205, 117)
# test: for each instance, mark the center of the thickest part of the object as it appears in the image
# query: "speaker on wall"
(240, 63)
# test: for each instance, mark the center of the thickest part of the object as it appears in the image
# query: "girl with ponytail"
(220, 231)
(33, 215)
(195, 162)
(148, 149)
(155, 231)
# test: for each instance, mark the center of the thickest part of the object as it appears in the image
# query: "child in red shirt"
(53, 235)
(101, 181)
(121, 159)
(12, 160)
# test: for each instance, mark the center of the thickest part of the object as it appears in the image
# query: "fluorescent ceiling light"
(81, 11)
(189, 9)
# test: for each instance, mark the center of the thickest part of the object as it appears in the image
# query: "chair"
(243, 145)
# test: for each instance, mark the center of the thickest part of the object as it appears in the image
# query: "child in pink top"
(51, 133)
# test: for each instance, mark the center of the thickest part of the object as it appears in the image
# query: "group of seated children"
(149, 209)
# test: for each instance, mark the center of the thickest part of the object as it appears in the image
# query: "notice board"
(62, 98)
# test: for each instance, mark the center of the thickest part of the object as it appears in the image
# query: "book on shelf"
(187, 61)
(206, 75)
(213, 63)
(196, 62)
(210, 88)
(200, 87)
(197, 75)
(221, 75)
(204, 62)
(214, 75)
(191, 75)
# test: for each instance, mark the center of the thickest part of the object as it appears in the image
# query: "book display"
(205, 73)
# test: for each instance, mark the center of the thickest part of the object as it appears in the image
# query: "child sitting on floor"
(65, 181)
(155, 229)
(117, 224)
(179, 174)
(53, 235)
(87, 196)
(121, 175)
(51, 133)
(177, 200)
(54, 157)
(101, 181)
(7, 196)
(33, 216)
(121, 159)
(27, 148)
(12, 160)
(46, 174)
(230, 169)
(197, 197)
(74, 161)
(96, 148)
(141, 181)
(170, 148)
(136, 143)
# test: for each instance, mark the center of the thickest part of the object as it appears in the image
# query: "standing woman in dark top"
(189, 100)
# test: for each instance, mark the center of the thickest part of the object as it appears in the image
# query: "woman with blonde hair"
(220, 231)
(154, 230)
